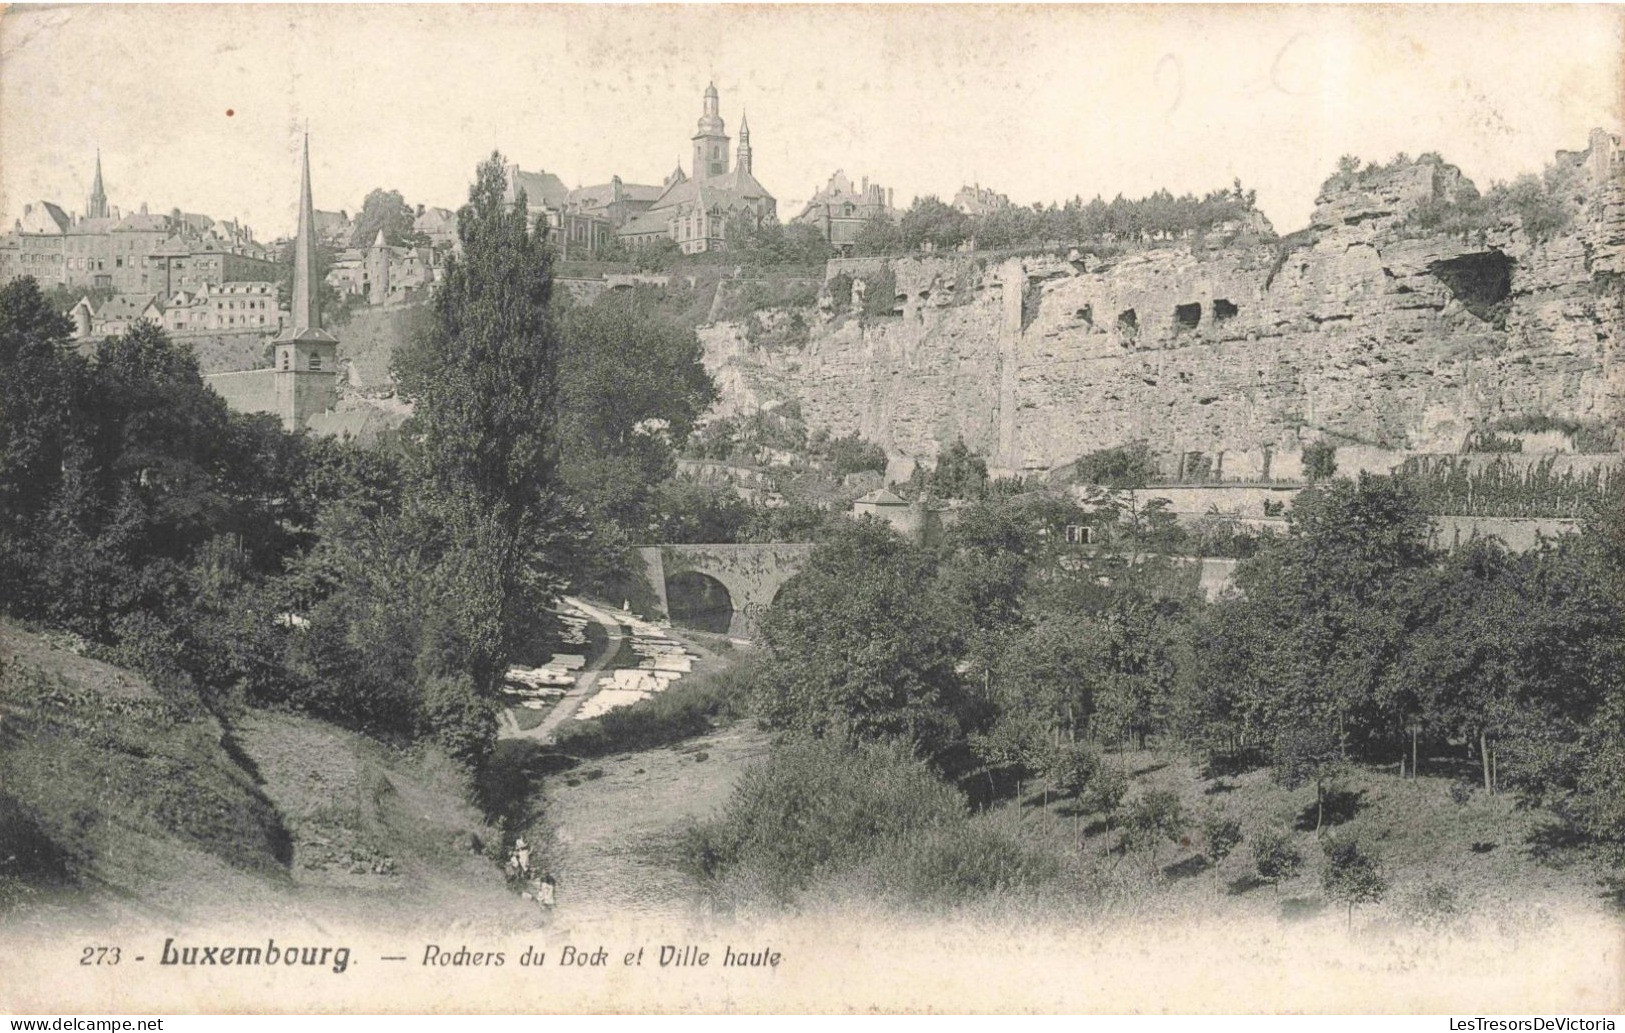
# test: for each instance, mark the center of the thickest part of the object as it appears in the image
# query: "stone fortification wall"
(248, 391)
(1359, 331)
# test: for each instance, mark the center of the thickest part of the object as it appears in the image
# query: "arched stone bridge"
(748, 577)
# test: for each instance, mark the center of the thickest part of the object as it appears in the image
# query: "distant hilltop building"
(385, 274)
(840, 210)
(333, 228)
(698, 210)
(303, 380)
(213, 308)
(979, 200)
(439, 225)
(135, 253)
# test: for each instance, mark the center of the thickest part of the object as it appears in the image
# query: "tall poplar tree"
(483, 380)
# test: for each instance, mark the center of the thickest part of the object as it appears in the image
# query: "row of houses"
(214, 308)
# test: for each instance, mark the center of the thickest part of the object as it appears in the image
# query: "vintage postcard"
(812, 508)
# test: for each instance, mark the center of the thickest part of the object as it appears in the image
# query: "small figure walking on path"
(521, 853)
(544, 891)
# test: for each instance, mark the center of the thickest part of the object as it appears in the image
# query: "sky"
(202, 106)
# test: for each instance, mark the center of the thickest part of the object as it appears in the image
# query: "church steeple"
(743, 161)
(97, 208)
(307, 310)
(711, 140)
(306, 355)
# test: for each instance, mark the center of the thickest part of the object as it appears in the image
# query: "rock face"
(1358, 330)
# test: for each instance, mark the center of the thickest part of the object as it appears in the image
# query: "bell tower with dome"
(711, 141)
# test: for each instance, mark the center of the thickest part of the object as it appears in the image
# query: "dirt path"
(586, 679)
(620, 819)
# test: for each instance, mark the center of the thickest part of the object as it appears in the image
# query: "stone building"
(214, 308)
(839, 210)
(575, 232)
(303, 380)
(382, 273)
(700, 211)
(979, 200)
(439, 225)
(135, 253)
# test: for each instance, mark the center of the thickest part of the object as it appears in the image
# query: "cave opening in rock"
(1480, 281)
(1224, 308)
(1086, 315)
(1188, 316)
(1128, 321)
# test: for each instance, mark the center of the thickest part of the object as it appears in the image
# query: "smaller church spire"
(97, 208)
(743, 160)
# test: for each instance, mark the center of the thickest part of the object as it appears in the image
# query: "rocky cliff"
(1364, 329)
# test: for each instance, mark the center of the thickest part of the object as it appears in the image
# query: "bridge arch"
(695, 599)
(749, 575)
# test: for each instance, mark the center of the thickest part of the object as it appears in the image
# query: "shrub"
(1152, 818)
(1319, 460)
(1434, 905)
(1351, 876)
(1122, 466)
(1221, 834)
(956, 862)
(1461, 791)
(879, 293)
(1073, 769)
(458, 719)
(818, 806)
(1104, 793)
(1275, 857)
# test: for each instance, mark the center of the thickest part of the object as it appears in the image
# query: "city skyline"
(1074, 101)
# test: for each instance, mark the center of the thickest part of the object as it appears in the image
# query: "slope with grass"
(119, 805)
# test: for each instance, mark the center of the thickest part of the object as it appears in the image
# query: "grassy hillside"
(119, 804)
(107, 786)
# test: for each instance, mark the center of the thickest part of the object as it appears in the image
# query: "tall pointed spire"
(743, 161)
(307, 312)
(97, 208)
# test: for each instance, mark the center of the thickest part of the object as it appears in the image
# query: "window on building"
(315, 361)
(285, 359)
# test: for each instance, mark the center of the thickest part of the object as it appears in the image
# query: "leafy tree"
(690, 511)
(930, 222)
(1073, 768)
(852, 454)
(878, 236)
(41, 381)
(857, 641)
(631, 387)
(1321, 622)
(1050, 673)
(1275, 857)
(1319, 460)
(1152, 818)
(1352, 876)
(386, 210)
(960, 473)
(1121, 466)
(1104, 794)
(483, 439)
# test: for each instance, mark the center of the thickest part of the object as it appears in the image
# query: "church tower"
(97, 208)
(711, 141)
(306, 355)
(743, 161)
